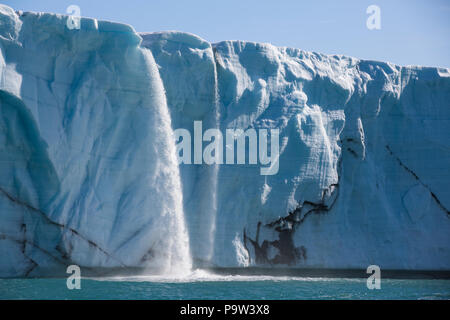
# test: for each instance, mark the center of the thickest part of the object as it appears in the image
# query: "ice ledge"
(175, 36)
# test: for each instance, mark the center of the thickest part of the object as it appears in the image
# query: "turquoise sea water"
(208, 286)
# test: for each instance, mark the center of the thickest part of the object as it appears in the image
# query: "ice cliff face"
(88, 173)
(88, 170)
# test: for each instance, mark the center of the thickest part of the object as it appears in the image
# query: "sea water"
(202, 285)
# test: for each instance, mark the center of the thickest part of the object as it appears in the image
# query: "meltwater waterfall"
(187, 67)
(170, 243)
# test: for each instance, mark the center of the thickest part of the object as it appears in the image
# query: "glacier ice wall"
(88, 172)
(360, 139)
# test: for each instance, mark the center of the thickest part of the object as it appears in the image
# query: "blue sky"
(412, 31)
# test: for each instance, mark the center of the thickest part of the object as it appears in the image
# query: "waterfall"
(170, 245)
(215, 173)
(210, 208)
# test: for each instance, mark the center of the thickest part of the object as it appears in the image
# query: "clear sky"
(412, 32)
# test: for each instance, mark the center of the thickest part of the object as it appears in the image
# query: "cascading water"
(199, 182)
(215, 173)
(171, 253)
(208, 176)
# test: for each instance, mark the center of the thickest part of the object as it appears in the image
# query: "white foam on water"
(199, 275)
